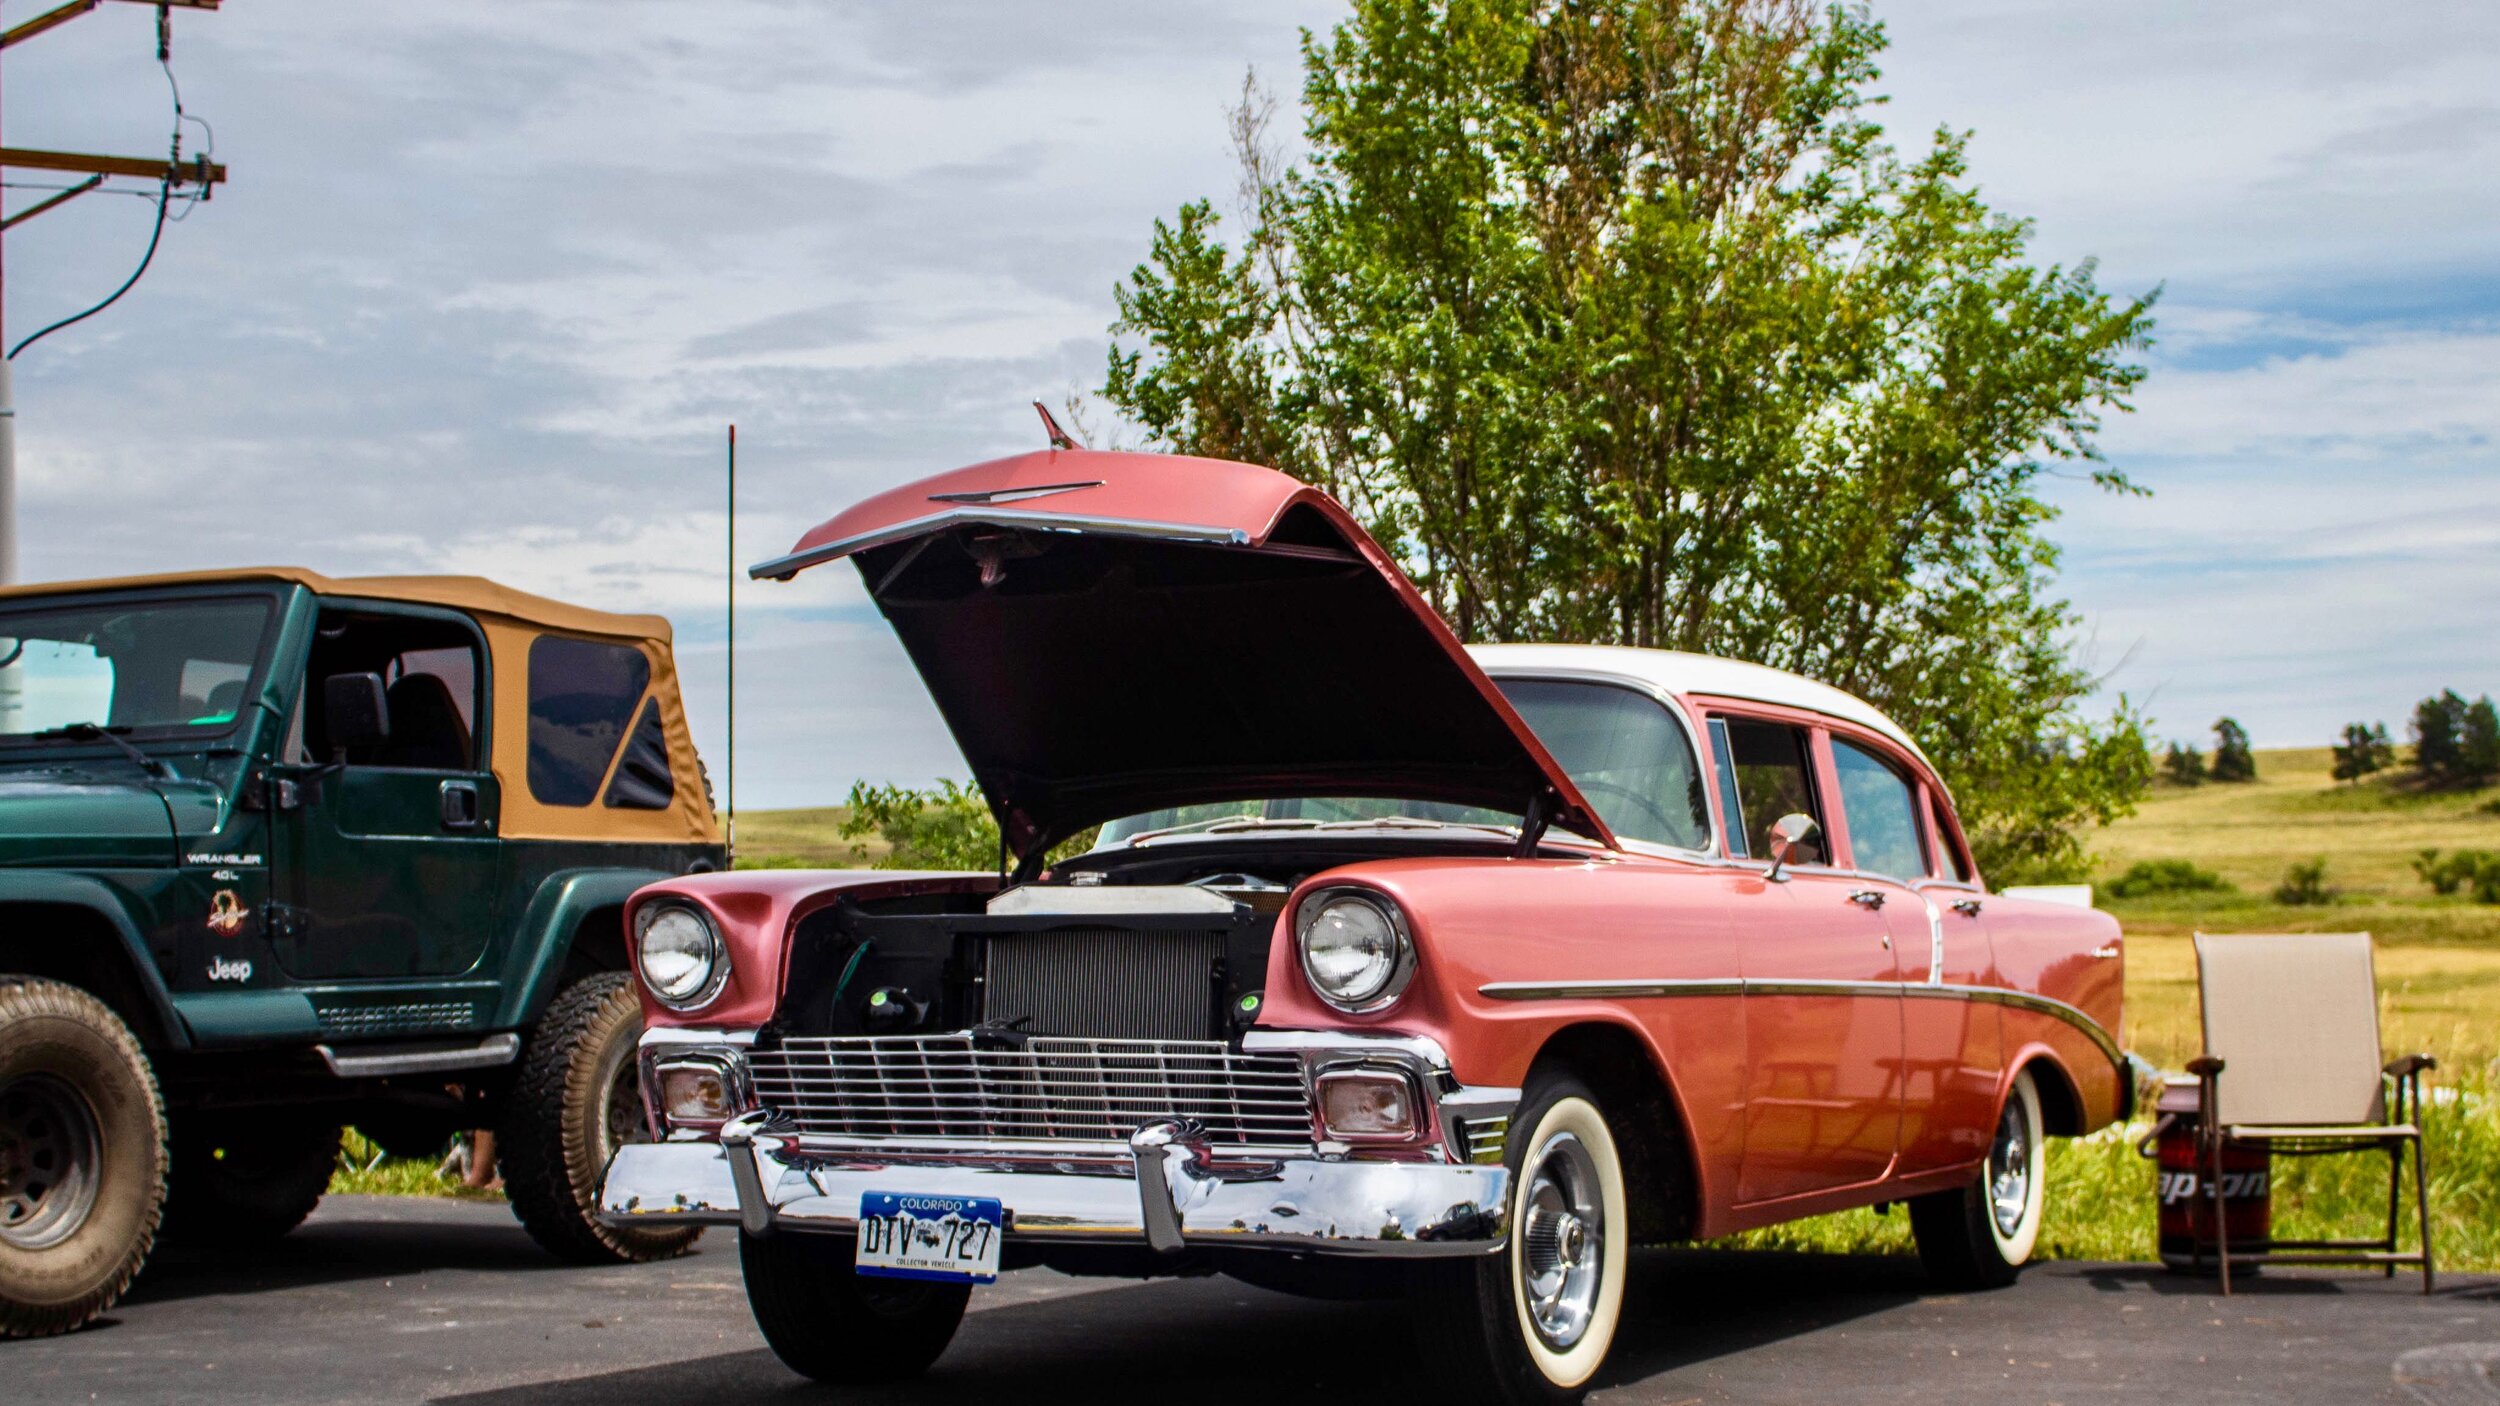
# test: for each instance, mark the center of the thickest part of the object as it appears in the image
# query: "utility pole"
(169, 173)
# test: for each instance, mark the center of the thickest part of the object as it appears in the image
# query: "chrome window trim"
(1748, 986)
(783, 567)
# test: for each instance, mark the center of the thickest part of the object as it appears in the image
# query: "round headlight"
(680, 954)
(1354, 948)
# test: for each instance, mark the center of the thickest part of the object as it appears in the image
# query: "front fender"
(544, 935)
(102, 900)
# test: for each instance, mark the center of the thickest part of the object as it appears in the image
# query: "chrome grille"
(943, 1086)
(1108, 983)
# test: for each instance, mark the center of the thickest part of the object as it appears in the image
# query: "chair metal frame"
(2401, 1112)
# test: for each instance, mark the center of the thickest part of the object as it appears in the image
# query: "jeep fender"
(155, 1020)
(544, 936)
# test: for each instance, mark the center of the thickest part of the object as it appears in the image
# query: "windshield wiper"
(98, 732)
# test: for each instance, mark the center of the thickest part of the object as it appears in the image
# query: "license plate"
(949, 1238)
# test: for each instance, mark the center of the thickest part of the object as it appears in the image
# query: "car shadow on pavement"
(337, 1252)
(1235, 1344)
(2154, 1278)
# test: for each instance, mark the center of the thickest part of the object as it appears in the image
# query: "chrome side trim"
(379, 1064)
(787, 566)
(1945, 991)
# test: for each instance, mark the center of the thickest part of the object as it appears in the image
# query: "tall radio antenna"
(729, 786)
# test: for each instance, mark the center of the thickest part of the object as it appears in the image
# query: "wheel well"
(598, 945)
(69, 943)
(2061, 1107)
(1658, 1172)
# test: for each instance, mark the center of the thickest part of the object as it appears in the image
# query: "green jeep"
(281, 853)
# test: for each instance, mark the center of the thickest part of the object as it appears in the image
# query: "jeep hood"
(1111, 633)
(66, 821)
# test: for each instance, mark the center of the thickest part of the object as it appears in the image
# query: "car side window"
(1882, 812)
(582, 696)
(432, 672)
(1764, 775)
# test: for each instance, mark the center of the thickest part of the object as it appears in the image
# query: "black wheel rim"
(50, 1161)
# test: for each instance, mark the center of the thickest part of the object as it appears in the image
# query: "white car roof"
(1675, 672)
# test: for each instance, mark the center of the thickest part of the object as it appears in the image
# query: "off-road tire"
(1960, 1240)
(1474, 1324)
(62, 1049)
(246, 1176)
(828, 1323)
(565, 1118)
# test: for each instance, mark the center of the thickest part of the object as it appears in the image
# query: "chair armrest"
(2204, 1066)
(2410, 1065)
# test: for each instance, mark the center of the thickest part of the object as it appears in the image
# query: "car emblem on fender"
(225, 913)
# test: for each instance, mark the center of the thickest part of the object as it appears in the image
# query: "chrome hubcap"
(2009, 1170)
(1563, 1241)
(48, 1162)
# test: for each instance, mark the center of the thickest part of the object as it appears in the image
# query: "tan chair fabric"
(2294, 1018)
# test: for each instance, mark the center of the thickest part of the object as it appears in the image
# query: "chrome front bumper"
(1168, 1190)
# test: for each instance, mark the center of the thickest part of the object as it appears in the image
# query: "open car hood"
(1111, 633)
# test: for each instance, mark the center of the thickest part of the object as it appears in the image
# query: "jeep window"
(432, 680)
(582, 696)
(166, 668)
(1881, 809)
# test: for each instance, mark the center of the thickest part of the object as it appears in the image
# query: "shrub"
(2149, 877)
(2183, 765)
(2233, 760)
(2476, 871)
(2304, 885)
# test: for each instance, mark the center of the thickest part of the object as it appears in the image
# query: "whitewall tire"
(1981, 1235)
(1534, 1323)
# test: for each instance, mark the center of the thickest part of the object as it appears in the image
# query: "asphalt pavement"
(388, 1300)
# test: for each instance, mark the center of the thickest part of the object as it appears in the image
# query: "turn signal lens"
(1366, 1104)
(695, 1093)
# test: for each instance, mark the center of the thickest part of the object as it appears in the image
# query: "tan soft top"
(472, 593)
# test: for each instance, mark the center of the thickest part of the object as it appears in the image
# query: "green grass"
(802, 839)
(365, 1170)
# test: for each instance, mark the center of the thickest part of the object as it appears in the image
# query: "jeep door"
(390, 862)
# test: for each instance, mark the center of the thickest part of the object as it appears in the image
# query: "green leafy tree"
(2436, 731)
(2363, 750)
(2183, 765)
(2478, 743)
(1620, 321)
(2233, 759)
(948, 826)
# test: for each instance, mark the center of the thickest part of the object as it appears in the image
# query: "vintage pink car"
(1396, 966)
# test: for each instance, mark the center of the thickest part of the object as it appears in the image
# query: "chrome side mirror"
(1790, 834)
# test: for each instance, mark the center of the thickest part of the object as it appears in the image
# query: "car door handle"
(460, 807)
(1968, 907)
(1868, 898)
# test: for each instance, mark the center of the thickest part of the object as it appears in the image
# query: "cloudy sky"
(490, 278)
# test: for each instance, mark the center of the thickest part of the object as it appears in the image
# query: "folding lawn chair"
(2292, 1062)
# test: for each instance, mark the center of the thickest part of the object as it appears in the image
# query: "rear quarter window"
(582, 695)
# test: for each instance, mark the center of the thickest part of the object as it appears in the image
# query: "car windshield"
(151, 668)
(1628, 756)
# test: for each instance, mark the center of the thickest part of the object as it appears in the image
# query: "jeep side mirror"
(1792, 836)
(355, 712)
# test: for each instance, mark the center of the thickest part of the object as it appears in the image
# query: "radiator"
(1104, 983)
